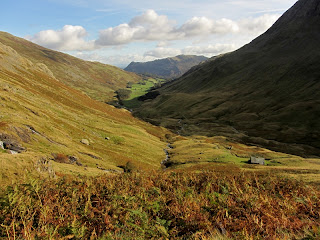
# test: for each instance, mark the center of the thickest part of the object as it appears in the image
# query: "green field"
(140, 89)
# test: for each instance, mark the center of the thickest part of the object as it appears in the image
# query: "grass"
(206, 152)
(225, 202)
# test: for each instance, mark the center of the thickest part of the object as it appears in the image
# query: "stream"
(166, 151)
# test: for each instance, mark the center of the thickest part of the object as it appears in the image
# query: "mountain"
(97, 80)
(45, 124)
(167, 68)
(266, 93)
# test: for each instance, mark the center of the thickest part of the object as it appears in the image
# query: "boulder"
(85, 141)
(257, 160)
(73, 159)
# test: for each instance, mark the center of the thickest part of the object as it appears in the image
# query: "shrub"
(123, 94)
(60, 157)
(117, 140)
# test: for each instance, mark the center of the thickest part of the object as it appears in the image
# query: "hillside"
(266, 93)
(48, 126)
(97, 80)
(167, 68)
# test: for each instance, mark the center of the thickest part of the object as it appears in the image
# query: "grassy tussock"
(162, 205)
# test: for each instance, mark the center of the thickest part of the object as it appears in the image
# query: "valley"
(227, 148)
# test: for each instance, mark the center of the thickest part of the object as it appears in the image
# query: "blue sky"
(120, 31)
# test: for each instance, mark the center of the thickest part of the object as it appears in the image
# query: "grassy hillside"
(267, 92)
(52, 121)
(97, 80)
(167, 68)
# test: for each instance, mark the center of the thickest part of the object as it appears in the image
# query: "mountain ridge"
(168, 68)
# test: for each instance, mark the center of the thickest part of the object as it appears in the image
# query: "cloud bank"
(152, 27)
(208, 50)
(69, 38)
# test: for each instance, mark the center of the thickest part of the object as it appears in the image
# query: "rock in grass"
(85, 141)
(257, 160)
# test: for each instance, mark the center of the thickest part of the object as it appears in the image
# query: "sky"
(117, 32)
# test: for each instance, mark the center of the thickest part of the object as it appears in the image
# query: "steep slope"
(43, 119)
(167, 68)
(267, 92)
(97, 80)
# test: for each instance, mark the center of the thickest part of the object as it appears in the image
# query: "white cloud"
(162, 44)
(121, 34)
(153, 27)
(116, 60)
(147, 27)
(199, 26)
(161, 52)
(258, 25)
(150, 27)
(210, 50)
(68, 38)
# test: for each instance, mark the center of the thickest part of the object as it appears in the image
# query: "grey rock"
(257, 160)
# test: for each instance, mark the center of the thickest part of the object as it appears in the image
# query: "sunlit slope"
(97, 80)
(267, 92)
(50, 119)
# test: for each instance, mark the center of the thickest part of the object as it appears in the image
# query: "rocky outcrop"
(10, 143)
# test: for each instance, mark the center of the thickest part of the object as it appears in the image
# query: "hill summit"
(266, 93)
(167, 68)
